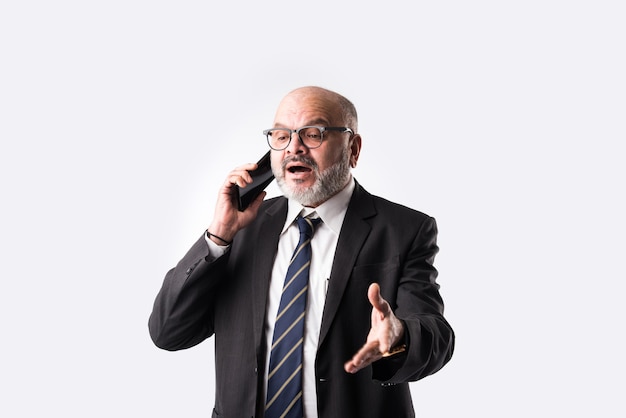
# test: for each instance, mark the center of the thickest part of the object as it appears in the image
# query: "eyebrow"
(314, 122)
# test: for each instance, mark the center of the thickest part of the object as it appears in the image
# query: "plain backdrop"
(502, 119)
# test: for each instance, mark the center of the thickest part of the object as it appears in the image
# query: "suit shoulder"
(385, 206)
(273, 206)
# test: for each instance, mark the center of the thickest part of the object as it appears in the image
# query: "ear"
(355, 149)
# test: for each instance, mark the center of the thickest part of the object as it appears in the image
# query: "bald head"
(343, 111)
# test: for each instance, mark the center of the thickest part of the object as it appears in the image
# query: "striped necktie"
(284, 382)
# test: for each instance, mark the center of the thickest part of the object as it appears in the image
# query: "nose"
(296, 146)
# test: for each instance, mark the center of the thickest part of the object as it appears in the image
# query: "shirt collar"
(331, 211)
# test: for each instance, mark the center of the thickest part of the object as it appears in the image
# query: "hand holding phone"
(261, 178)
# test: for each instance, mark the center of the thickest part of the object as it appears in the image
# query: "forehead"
(300, 108)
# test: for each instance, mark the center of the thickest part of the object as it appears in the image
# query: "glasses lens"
(278, 138)
(311, 136)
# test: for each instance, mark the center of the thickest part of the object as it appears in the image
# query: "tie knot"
(307, 225)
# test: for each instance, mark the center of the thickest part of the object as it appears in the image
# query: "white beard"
(327, 184)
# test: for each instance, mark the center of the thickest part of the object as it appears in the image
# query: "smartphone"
(261, 178)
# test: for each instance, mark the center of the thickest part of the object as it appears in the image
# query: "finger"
(256, 203)
(239, 178)
(365, 355)
(241, 173)
(246, 167)
(368, 354)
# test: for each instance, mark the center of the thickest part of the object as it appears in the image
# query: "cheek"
(328, 158)
(276, 160)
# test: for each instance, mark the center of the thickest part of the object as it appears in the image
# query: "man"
(373, 319)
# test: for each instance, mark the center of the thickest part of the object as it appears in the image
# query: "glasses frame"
(322, 129)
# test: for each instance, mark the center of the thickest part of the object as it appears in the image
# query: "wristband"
(219, 238)
(395, 350)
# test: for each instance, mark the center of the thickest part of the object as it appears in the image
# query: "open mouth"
(298, 169)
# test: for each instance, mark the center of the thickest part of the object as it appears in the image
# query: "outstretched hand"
(385, 332)
(228, 220)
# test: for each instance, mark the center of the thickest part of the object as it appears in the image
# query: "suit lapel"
(263, 262)
(354, 232)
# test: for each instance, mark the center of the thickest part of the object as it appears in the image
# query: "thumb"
(377, 301)
(256, 203)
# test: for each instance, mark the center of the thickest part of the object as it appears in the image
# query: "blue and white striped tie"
(284, 383)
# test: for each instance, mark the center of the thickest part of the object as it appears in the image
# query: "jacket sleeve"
(418, 303)
(182, 315)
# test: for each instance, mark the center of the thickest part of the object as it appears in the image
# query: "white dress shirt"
(323, 245)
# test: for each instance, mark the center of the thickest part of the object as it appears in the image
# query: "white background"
(502, 119)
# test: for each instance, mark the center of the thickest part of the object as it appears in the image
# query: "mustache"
(299, 159)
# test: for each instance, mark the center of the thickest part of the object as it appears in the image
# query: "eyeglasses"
(311, 136)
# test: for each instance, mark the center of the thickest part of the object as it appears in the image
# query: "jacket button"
(189, 270)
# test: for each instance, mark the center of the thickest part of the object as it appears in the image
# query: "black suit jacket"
(380, 242)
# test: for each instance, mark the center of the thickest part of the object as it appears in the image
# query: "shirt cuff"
(215, 250)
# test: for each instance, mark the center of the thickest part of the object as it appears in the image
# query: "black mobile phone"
(261, 178)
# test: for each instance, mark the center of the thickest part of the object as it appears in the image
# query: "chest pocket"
(385, 273)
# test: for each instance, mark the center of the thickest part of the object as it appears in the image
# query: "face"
(312, 176)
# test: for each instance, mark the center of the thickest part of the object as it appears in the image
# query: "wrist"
(395, 350)
(220, 233)
(400, 344)
(218, 239)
